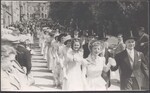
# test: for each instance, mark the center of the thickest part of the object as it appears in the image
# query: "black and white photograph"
(74, 45)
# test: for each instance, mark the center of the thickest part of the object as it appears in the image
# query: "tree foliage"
(113, 17)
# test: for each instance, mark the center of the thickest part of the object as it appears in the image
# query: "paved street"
(43, 77)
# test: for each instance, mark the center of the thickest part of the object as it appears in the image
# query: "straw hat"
(6, 31)
(67, 38)
(12, 28)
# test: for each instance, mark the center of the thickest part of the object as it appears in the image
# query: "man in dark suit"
(142, 46)
(142, 42)
(24, 57)
(132, 66)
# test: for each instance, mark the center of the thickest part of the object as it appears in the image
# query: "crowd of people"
(85, 62)
(77, 63)
(16, 53)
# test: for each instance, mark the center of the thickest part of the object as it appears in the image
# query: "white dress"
(94, 71)
(46, 46)
(75, 78)
(42, 43)
(50, 54)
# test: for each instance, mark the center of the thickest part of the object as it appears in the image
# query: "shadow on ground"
(41, 71)
(45, 77)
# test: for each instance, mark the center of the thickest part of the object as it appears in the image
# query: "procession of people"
(78, 62)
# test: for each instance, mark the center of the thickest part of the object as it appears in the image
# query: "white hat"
(45, 28)
(6, 31)
(10, 37)
(66, 38)
(49, 30)
(12, 28)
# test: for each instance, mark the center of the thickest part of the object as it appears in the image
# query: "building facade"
(44, 9)
(6, 14)
(15, 11)
(20, 11)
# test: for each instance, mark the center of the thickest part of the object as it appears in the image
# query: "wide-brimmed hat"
(61, 35)
(49, 30)
(130, 36)
(52, 33)
(67, 38)
(12, 28)
(9, 39)
(102, 37)
(6, 31)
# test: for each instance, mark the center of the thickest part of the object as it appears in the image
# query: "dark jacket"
(139, 70)
(86, 50)
(24, 58)
(143, 39)
(105, 75)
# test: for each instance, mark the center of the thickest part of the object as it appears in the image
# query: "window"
(27, 15)
(42, 9)
(42, 15)
(45, 15)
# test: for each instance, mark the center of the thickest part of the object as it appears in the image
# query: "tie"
(131, 58)
(131, 55)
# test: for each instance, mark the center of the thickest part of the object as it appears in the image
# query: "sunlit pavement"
(43, 77)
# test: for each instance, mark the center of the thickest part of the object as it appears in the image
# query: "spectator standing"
(132, 66)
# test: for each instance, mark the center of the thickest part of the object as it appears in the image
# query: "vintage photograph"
(75, 45)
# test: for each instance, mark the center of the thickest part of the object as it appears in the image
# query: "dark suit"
(86, 50)
(106, 76)
(143, 39)
(24, 58)
(139, 69)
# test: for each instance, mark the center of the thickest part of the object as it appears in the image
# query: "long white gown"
(50, 55)
(75, 78)
(46, 46)
(94, 71)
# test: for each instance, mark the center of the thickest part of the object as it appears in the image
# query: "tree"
(112, 17)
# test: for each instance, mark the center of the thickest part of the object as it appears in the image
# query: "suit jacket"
(139, 68)
(24, 58)
(143, 39)
(86, 51)
(106, 76)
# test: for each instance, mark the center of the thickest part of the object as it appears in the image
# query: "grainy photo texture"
(86, 45)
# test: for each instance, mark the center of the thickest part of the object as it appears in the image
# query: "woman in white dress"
(40, 38)
(61, 59)
(73, 75)
(47, 37)
(50, 52)
(43, 42)
(56, 67)
(95, 67)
